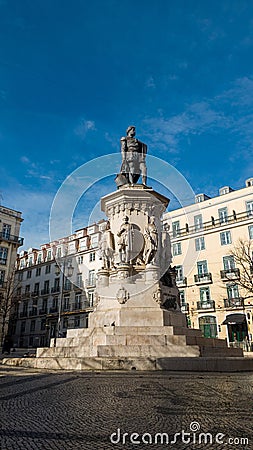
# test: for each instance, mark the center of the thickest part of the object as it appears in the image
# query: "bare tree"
(8, 301)
(242, 252)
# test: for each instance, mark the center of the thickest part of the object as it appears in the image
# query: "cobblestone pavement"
(77, 410)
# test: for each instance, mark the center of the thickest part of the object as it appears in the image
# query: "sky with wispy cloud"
(74, 75)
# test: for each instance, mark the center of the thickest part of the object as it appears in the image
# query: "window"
(78, 298)
(91, 279)
(27, 289)
(22, 328)
(204, 294)
(58, 253)
(2, 275)
(91, 298)
(180, 273)
(43, 325)
(66, 303)
(6, 231)
(49, 255)
(36, 288)
(44, 304)
(29, 274)
(228, 262)
(77, 322)
(175, 228)
(38, 271)
(225, 238)
(202, 267)
(223, 215)
(48, 269)
(32, 325)
(39, 258)
(46, 287)
(182, 298)
(3, 255)
(80, 260)
(200, 243)
(20, 276)
(79, 279)
(251, 231)
(198, 222)
(208, 325)
(55, 303)
(249, 208)
(177, 249)
(65, 323)
(94, 241)
(30, 261)
(232, 290)
(56, 284)
(67, 284)
(92, 256)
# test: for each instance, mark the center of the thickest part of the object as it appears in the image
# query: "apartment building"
(55, 287)
(203, 236)
(10, 221)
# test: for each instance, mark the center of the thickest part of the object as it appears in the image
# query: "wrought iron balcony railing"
(11, 238)
(203, 278)
(230, 274)
(236, 302)
(210, 304)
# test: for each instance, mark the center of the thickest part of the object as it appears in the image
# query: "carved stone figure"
(133, 154)
(124, 241)
(107, 248)
(166, 255)
(151, 241)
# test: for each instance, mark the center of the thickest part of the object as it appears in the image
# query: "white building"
(203, 235)
(10, 222)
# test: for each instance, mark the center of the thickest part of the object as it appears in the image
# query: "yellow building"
(10, 222)
(203, 235)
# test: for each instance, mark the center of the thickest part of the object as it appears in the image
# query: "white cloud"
(84, 127)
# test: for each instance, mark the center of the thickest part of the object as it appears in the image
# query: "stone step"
(187, 331)
(207, 342)
(203, 364)
(221, 352)
(147, 351)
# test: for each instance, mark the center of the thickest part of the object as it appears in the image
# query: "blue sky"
(74, 75)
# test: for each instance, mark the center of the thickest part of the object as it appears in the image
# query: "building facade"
(203, 236)
(55, 287)
(10, 221)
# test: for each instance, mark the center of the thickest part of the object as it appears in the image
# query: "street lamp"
(60, 268)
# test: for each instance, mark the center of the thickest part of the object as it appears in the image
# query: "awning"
(234, 318)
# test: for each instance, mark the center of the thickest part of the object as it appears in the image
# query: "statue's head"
(126, 219)
(131, 131)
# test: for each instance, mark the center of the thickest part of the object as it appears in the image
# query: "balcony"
(55, 289)
(23, 314)
(11, 238)
(33, 312)
(230, 274)
(76, 306)
(181, 282)
(236, 302)
(44, 292)
(42, 311)
(89, 283)
(210, 304)
(35, 293)
(53, 310)
(203, 278)
(185, 308)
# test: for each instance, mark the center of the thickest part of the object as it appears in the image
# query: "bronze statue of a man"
(133, 154)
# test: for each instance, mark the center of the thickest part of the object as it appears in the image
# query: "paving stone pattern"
(76, 410)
